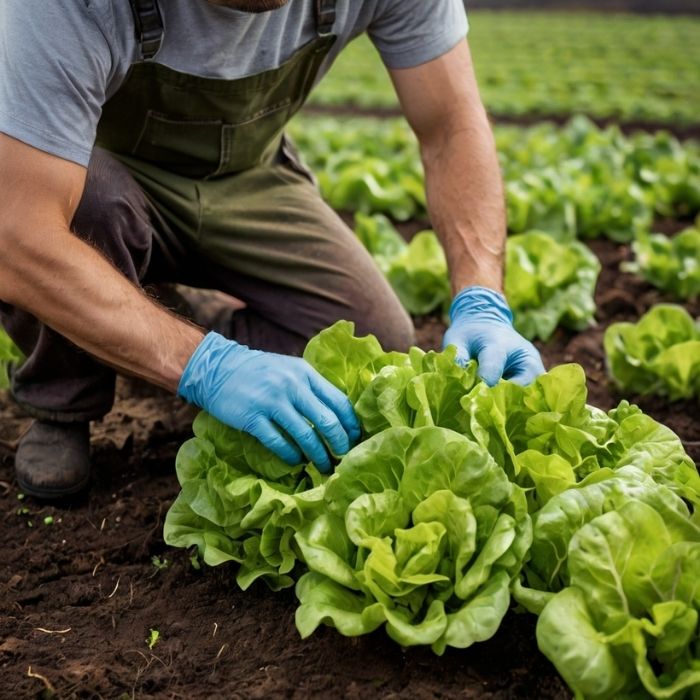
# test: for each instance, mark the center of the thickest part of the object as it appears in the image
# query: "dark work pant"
(295, 279)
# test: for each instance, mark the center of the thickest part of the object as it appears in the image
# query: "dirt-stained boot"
(53, 459)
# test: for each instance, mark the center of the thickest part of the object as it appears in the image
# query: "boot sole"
(52, 494)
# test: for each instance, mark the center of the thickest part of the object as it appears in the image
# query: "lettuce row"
(530, 75)
(660, 354)
(460, 497)
(670, 264)
(574, 181)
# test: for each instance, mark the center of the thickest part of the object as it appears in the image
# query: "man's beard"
(251, 5)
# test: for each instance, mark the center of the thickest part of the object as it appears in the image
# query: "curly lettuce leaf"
(426, 392)
(544, 435)
(240, 502)
(348, 362)
(549, 440)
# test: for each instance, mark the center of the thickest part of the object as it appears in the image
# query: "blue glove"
(482, 329)
(260, 392)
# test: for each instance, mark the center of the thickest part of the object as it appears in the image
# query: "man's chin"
(250, 5)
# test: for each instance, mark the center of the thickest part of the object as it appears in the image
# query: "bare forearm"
(466, 201)
(465, 194)
(73, 289)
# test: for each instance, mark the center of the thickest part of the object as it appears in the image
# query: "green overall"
(196, 145)
(212, 157)
(205, 172)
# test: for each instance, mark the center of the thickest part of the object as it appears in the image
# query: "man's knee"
(112, 215)
(385, 318)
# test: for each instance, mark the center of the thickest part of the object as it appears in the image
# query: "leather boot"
(53, 459)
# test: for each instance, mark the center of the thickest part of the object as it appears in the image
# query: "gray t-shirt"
(60, 60)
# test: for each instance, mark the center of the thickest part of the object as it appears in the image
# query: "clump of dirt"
(83, 584)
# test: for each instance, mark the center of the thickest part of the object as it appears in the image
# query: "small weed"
(153, 638)
(159, 563)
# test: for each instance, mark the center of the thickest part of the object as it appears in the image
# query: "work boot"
(53, 459)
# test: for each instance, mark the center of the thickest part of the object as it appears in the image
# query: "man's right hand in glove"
(280, 400)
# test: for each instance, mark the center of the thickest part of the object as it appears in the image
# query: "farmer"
(142, 142)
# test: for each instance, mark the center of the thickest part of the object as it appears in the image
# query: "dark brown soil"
(79, 597)
(680, 131)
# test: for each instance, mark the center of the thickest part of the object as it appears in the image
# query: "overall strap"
(325, 16)
(149, 26)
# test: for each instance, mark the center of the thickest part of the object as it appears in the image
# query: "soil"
(79, 597)
(680, 131)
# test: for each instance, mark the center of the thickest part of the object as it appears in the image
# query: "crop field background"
(632, 68)
(596, 118)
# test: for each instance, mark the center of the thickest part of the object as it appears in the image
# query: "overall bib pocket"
(192, 148)
(254, 140)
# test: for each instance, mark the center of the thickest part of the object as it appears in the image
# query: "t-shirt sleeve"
(55, 63)
(410, 32)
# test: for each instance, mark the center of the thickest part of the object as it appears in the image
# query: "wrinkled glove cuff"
(198, 381)
(481, 303)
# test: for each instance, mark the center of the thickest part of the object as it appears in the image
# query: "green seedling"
(153, 638)
(159, 563)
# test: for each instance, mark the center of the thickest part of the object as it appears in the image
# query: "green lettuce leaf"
(344, 360)
(628, 623)
(418, 275)
(548, 439)
(564, 515)
(417, 271)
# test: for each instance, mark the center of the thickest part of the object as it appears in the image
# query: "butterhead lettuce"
(549, 284)
(660, 354)
(423, 533)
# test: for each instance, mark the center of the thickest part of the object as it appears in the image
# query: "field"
(534, 64)
(95, 604)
